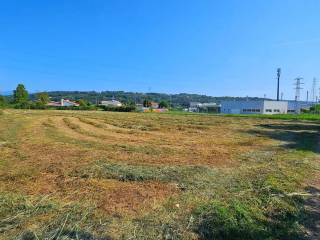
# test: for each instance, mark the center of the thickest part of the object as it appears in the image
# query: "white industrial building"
(204, 107)
(254, 107)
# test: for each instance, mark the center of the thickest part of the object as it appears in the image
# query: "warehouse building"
(204, 107)
(254, 107)
(299, 106)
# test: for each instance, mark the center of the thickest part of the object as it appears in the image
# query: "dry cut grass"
(117, 168)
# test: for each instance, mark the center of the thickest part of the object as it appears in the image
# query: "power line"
(298, 87)
(314, 89)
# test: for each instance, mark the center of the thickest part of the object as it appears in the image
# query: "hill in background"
(177, 100)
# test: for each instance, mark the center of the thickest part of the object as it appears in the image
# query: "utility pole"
(278, 86)
(307, 96)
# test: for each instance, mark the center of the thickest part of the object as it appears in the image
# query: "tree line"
(181, 100)
(21, 99)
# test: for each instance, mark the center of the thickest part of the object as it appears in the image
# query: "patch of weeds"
(235, 220)
(241, 220)
(283, 217)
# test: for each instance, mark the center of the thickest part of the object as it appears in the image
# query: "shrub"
(75, 108)
(3, 102)
(128, 108)
(23, 105)
(30, 105)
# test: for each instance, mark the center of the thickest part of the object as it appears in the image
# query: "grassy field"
(102, 175)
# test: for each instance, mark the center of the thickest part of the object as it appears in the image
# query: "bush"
(3, 102)
(75, 108)
(129, 108)
(30, 105)
(24, 105)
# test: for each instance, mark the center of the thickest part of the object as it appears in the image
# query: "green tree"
(163, 104)
(147, 103)
(43, 98)
(131, 103)
(83, 103)
(2, 101)
(21, 95)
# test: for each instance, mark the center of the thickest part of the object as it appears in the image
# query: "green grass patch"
(310, 117)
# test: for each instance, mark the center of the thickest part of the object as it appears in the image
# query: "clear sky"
(217, 48)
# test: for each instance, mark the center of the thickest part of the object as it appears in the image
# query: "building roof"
(62, 102)
(111, 103)
(244, 101)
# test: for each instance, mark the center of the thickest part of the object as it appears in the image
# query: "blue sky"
(217, 48)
